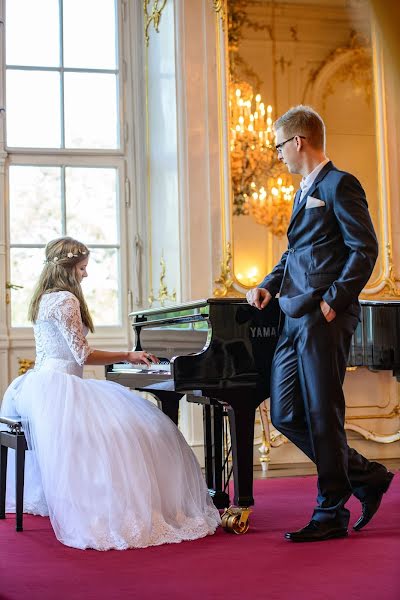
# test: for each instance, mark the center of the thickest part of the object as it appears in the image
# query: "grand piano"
(230, 376)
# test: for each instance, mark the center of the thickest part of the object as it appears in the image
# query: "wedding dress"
(107, 466)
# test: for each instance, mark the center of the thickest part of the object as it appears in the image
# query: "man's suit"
(332, 249)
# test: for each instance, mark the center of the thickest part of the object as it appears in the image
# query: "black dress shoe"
(371, 504)
(316, 531)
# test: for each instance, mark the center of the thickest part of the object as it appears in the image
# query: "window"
(63, 137)
(62, 75)
(46, 202)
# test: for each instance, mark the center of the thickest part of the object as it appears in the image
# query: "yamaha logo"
(263, 332)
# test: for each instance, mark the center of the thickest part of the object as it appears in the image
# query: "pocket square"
(314, 202)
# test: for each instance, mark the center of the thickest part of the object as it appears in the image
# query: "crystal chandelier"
(261, 185)
(274, 209)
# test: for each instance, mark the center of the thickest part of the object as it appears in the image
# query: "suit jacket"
(332, 247)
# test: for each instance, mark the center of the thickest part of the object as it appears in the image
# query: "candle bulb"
(268, 197)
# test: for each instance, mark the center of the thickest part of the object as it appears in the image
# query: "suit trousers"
(308, 407)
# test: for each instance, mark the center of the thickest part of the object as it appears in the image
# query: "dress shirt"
(307, 181)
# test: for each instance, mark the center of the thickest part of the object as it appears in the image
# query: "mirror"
(280, 55)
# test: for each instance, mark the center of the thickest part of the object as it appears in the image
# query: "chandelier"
(261, 185)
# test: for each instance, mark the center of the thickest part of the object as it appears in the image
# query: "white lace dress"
(108, 467)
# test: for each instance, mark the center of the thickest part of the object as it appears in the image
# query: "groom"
(332, 249)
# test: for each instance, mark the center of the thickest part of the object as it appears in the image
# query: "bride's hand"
(141, 357)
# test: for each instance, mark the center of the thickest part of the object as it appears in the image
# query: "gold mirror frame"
(385, 285)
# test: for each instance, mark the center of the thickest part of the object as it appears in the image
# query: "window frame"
(106, 332)
(121, 72)
(112, 336)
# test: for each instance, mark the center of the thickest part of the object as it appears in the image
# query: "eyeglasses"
(279, 147)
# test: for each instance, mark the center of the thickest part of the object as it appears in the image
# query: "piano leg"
(241, 420)
(213, 453)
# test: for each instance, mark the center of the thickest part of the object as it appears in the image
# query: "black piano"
(376, 341)
(230, 376)
(231, 373)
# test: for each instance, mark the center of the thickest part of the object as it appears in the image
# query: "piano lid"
(376, 303)
(155, 313)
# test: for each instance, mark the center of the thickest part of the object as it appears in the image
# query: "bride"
(107, 466)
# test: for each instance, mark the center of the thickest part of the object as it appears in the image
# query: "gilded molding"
(358, 71)
(24, 365)
(163, 293)
(220, 8)
(277, 438)
(395, 413)
(371, 435)
(269, 438)
(225, 280)
(221, 44)
(387, 286)
(265, 451)
(353, 63)
(11, 286)
(265, 446)
(273, 439)
(389, 283)
(154, 16)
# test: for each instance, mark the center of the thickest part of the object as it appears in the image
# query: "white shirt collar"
(307, 181)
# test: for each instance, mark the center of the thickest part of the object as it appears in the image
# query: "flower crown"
(55, 259)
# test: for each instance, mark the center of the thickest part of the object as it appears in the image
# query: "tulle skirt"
(107, 466)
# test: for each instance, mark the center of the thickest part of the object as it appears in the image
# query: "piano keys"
(132, 375)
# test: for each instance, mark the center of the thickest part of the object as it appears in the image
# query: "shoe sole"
(331, 536)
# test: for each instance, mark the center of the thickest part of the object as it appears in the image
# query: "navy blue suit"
(331, 253)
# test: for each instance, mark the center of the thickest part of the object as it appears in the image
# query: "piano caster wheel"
(236, 520)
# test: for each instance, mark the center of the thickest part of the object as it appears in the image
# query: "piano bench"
(13, 438)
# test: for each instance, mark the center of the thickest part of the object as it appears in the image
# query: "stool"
(13, 438)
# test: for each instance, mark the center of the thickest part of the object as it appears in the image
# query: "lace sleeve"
(67, 315)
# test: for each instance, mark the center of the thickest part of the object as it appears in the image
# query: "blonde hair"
(59, 275)
(303, 120)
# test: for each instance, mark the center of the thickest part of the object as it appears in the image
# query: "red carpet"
(260, 564)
